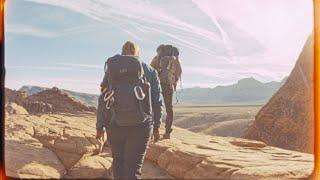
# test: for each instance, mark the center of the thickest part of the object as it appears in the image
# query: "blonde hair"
(130, 49)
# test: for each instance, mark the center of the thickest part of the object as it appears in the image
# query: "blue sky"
(64, 43)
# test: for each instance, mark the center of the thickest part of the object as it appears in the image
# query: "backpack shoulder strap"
(105, 67)
(106, 71)
(106, 64)
(141, 68)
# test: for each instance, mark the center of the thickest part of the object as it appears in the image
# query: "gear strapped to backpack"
(166, 74)
(129, 90)
(170, 69)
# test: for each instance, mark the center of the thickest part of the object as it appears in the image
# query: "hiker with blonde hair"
(129, 108)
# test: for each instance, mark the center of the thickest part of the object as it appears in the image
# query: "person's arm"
(104, 83)
(155, 63)
(101, 113)
(156, 99)
(178, 69)
(101, 110)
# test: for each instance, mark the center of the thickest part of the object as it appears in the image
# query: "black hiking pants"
(129, 146)
(167, 93)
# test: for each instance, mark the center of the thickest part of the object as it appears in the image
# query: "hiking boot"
(166, 136)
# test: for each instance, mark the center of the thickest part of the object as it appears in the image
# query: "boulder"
(26, 157)
(286, 121)
(48, 147)
(13, 108)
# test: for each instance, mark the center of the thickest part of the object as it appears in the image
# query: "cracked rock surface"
(59, 146)
(64, 146)
(192, 155)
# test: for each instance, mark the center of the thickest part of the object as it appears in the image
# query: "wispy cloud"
(219, 41)
(80, 65)
(31, 30)
(206, 8)
(137, 15)
(56, 68)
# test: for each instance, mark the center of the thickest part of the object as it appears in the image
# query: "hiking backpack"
(130, 91)
(166, 73)
(170, 69)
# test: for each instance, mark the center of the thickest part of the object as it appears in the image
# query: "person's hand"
(103, 89)
(100, 138)
(100, 135)
(156, 135)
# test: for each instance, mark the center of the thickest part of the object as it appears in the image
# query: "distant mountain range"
(245, 91)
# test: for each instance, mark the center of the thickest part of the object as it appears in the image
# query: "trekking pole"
(177, 100)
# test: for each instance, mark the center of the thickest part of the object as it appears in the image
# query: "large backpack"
(166, 73)
(170, 69)
(131, 91)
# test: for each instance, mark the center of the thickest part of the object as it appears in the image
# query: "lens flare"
(316, 174)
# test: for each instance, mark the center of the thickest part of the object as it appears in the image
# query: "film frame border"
(316, 8)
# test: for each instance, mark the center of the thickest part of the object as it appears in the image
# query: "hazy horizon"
(65, 43)
(31, 85)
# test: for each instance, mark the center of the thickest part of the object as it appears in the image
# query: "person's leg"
(108, 136)
(167, 96)
(117, 142)
(135, 149)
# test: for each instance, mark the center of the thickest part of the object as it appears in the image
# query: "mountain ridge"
(245, 91)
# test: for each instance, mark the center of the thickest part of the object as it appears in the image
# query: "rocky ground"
(63, 146)
(59, 146)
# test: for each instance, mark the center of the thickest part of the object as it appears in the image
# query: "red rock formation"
(13, 108)
(15, 96)
(60, 101)
(287, 119)
(48, 101)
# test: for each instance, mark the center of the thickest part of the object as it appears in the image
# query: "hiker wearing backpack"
(168, 66)
(129, 107)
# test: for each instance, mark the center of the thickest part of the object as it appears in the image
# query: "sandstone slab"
(286, 121)
(190, 156)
